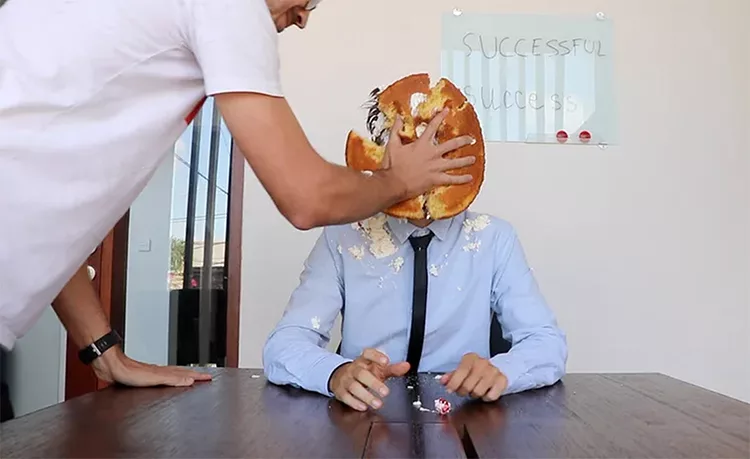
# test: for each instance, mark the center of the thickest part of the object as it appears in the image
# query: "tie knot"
(420, 242)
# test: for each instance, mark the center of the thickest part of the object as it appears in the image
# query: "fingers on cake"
(417, 102)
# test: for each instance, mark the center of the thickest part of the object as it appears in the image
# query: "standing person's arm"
(310, 191)
(235, 44)
(81, 313)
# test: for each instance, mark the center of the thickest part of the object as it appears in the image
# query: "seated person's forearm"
(80, 311)
(290, 358)
(536, 361)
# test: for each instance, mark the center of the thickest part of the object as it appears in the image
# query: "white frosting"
(471, 227)
(416, 100)
(420, 129)
(476, 224)
(378, 126)
(380, 241)
(472, 246)
(357, 251)
(315, 321)
(386, 137)
(397, 263)
(379, 123)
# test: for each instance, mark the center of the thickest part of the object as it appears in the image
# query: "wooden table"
(240, 415)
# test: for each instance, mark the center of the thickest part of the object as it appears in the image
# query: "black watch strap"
(91, 352)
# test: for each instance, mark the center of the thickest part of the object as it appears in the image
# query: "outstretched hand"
(421, 166)
(115, 366)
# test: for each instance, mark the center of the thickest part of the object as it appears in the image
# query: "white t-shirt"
(92, 93)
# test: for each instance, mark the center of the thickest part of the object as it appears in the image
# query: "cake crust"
(396, 100)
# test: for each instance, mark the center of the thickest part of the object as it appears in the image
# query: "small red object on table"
(442, 406)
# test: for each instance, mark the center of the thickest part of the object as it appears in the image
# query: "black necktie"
(419, 301)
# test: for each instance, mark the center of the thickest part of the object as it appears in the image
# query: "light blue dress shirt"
(476, 266)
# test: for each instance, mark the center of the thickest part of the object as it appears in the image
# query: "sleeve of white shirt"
(539, 349)
(295, 352)
(236, 45)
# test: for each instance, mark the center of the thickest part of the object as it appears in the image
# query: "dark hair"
(377, 133)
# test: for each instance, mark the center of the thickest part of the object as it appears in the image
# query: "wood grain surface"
(595, 416)
(239, 414)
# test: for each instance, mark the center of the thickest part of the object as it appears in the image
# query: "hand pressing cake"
(415, 101)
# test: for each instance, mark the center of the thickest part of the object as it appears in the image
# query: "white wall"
(149, 251)
(642, 250)
(36, 366)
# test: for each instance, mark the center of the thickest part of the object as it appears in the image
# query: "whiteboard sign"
(530, 77)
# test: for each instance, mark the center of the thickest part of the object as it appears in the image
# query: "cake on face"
(415, 101)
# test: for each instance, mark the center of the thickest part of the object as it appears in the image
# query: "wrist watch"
(91, 352)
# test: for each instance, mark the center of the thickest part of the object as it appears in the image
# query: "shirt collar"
(402, 229)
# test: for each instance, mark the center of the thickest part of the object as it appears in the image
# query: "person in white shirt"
(93, 92)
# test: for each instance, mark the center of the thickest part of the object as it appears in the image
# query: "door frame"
(234, 253)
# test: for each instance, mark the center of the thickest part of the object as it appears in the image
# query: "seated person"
(415, 296)
(475, 266)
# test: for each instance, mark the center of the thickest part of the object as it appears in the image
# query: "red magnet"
(585, 136)
(562, 136)
(442, 406)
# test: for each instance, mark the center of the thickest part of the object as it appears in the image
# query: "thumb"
(394, 138)
(386, 162)
(399, 369)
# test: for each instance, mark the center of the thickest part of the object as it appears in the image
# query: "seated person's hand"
(476, 377)
(357, 382)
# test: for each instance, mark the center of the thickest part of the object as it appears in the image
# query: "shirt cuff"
(323, 370)
(511, 368)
